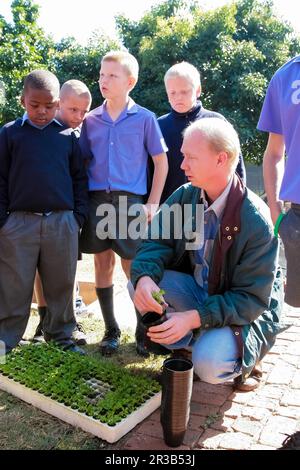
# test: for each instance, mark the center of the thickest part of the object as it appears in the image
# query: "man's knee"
(208, 369)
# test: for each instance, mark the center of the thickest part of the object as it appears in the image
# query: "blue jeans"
(214, 352)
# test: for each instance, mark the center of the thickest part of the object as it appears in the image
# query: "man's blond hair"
(127, 60)
(184, 70)
(220, 135)
(75, 87)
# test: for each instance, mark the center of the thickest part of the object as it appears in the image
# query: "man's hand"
(175, 328)
(143, 299)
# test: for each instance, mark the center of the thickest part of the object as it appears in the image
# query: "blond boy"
(183, 87)
(116, 138)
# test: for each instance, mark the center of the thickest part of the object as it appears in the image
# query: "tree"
(23, 48)
(237, 48)
(73, 61)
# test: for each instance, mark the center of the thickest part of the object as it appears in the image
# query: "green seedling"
(158, 296)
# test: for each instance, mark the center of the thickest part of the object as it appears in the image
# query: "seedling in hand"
(158, 297)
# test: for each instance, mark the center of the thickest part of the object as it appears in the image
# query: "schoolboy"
(43, 203)
(117, 138)
(183, 87)
(74, 104)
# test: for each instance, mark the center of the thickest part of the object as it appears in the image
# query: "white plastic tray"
(108, 433)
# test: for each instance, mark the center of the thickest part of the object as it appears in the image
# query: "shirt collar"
(219, 204)
(130, 109)
(26, 118)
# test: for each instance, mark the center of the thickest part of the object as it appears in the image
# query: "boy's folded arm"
(79, 219)
(80, 184)
(85, 145)
(3, 211)
(80, 189)
(3, 195)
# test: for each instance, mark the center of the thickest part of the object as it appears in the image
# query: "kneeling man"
(212, 250)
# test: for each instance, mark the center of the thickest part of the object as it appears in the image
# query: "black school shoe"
(38, 336)
(110, 342)
(75, 349)
(79, 336)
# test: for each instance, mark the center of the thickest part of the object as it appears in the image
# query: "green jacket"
(245, 287)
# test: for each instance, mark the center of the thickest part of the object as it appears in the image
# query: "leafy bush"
(237, 48)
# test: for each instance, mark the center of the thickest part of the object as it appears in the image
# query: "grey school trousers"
(289, 231)
(49, 244)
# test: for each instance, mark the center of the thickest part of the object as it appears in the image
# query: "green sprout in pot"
(158, 296)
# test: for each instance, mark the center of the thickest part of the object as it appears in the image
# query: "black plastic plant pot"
(152, 319)
(147, 320)
(177, 384)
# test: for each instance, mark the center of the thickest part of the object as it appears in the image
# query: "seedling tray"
(97, 396)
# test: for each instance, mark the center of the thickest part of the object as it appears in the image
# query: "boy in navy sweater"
(74, 103)
(43, 204)
(183, 87)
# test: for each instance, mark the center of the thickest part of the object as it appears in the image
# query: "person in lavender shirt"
(116, 139)
(280, 116)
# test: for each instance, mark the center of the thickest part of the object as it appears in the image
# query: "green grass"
(24, 427)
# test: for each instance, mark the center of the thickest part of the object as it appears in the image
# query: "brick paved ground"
(223, 419)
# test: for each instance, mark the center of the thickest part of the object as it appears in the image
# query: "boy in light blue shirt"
(116, 139)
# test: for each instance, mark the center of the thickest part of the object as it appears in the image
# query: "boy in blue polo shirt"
(116, 138)
(43, 204)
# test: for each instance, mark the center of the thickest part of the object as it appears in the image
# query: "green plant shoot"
(158, 296)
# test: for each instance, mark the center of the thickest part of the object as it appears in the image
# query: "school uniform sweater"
(172, 126)
(41, 170)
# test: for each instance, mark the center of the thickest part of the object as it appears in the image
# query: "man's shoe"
(79, 336)
(247, 385)
(110, 341)
(75, 349)
(250, 383)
